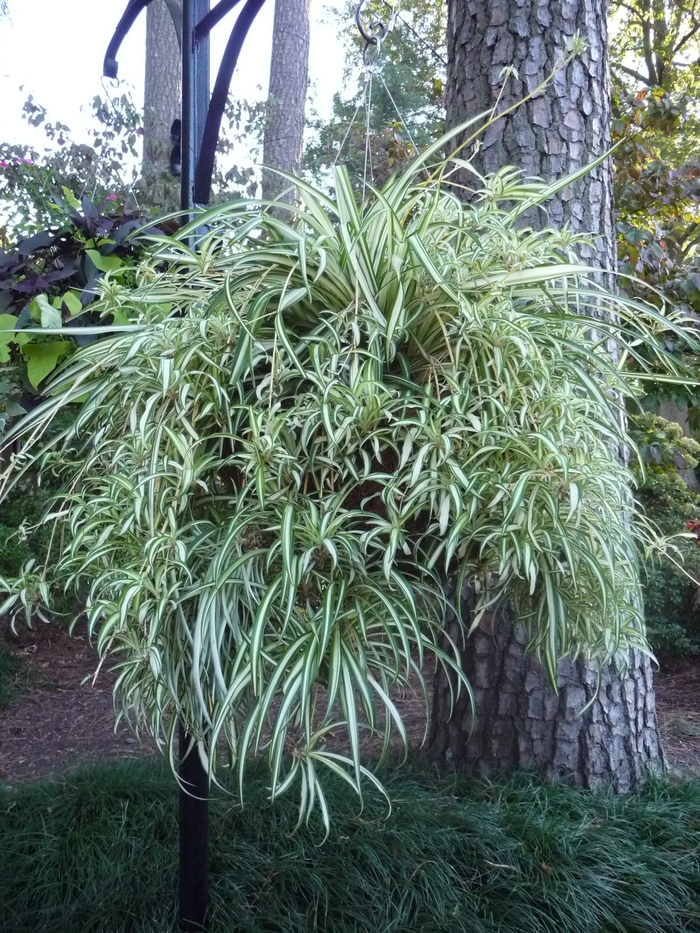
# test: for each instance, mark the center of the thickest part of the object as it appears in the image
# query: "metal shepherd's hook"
(378, 28)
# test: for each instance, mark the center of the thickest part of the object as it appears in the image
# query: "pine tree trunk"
(284, 128)
(162, 92)
(559, 130)
(519, 720)
(521, 723)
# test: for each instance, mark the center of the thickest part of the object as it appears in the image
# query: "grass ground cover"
(97, 851)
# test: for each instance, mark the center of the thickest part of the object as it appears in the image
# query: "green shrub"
(22, 509)
(23, 536)
(97, 853)
(670, 595)
(673, 618)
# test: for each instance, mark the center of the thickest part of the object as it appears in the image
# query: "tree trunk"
(161, 106)
(519, 721)
(558, 131)
(284, 127)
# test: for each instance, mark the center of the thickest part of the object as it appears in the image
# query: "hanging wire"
(368, 136)
(396, 15)
(373, 38)
(347, 133)
(370, 40)
(400, 115)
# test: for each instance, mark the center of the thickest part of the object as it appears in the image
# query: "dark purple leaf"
(39, 284)
(38, 241)
(89, 209)
(58, 275)
(125, 229)
(104, 226)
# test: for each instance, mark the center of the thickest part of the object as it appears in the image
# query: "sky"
(54, 49)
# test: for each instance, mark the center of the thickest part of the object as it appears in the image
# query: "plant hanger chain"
(369, 75)
(378, 32)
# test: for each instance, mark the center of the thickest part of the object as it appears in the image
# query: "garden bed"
(64, 717)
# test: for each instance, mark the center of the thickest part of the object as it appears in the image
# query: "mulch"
(678, 704)
(63, 719)
(66, 716)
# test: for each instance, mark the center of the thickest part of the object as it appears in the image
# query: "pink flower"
(111, 197)
(3, 164)
(27, 161)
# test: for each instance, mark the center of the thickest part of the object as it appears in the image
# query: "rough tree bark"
(289, 72)
(162, 92)
(558, 131)
(519, 721)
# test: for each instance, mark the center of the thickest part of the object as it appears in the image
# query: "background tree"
(407, 101)
(286, 108)
(657, 43)
(656, 78)
(497, 55)
(656, 67)
(161, 105)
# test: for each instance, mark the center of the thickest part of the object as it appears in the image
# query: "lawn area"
(96, 852)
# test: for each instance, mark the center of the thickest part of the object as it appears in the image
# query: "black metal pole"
(200, 126)
(195, 96)
(194, 838)
(194, 790)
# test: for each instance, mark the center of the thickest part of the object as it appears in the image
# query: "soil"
(63, 718)
(66, 717)
(678, 705)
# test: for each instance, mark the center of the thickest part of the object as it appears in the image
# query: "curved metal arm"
(376, 27)
(205, 25)
(110, 68)
(197, 33)
(207, 154)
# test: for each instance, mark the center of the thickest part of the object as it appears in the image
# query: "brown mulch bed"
(678, 705)
(65, 719)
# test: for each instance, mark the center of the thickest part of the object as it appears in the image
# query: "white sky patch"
(54, 50)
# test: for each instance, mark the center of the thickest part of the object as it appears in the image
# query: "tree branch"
(635, 74)
(686, 38)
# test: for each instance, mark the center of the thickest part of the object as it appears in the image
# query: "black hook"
(129, 16)
(376, 27)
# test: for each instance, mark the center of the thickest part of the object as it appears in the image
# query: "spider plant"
(312, 427)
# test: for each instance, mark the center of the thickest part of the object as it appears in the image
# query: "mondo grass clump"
(96, 853)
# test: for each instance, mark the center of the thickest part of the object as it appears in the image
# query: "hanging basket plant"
(316, 430)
